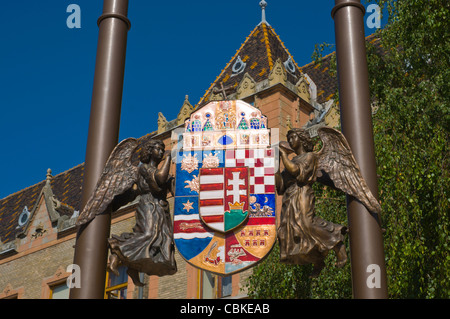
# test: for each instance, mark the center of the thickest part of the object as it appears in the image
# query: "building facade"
(37, 224)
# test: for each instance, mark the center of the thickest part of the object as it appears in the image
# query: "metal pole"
(366, 242)
(91, 249)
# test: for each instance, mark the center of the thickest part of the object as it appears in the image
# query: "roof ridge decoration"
(263, 5)
(266, 41)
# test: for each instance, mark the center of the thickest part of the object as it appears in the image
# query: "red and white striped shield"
(223, 197)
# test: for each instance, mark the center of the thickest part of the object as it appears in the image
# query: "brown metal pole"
(91, 249)
(366, 242)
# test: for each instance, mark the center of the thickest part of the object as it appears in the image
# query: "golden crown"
(236, 205)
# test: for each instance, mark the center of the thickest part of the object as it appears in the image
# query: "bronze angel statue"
(149, 248)
(304, 237)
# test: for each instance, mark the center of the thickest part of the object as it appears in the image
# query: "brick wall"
(29, 271)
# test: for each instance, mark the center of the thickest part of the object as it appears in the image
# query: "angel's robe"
(149, 248)
(304, 237)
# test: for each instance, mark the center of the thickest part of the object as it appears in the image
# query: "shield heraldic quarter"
(224, 211)
(236, 196)
(224, 194)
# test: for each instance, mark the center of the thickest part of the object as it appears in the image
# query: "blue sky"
(175, 48)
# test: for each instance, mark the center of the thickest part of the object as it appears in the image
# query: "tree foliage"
(409, 83)
(409, 75)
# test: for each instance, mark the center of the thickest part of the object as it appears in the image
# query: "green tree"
(409, 77)
(409, 84)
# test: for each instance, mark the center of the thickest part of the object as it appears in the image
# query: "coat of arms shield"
(224, 216)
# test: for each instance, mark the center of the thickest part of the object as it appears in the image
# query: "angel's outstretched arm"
(290, 167)
(288, 164)
(171, 183)
(162, 174)
(278, 178)
(279, 182)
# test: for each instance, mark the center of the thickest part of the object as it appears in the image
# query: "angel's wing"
(117, 177)
(337, 167)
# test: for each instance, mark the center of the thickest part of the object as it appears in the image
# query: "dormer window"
(24, 216)
(289, 65)
(238, 66)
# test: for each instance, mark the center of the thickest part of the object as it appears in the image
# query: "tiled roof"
(259, 52)
(320, 74)
(65, 186)
(12, 206)
(327, 83)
